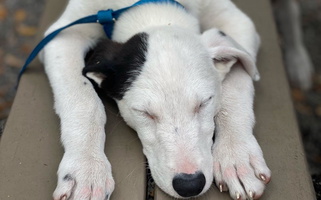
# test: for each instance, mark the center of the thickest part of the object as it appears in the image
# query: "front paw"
(299, 67)
(84, 177)
(239, 167)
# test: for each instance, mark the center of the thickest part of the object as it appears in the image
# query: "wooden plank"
(30, 151)
(276, 128)
(212, 193)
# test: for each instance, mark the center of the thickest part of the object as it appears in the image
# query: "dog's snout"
(189, 185)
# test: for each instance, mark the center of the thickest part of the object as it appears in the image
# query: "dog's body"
(168, 75)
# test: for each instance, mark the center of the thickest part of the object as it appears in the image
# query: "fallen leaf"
(318, 111)
(1, 61)
(3, 12)
(13, 61)
(20, 15)
(3, 91)
(26, 48)
(25, 30)
(298, 95)
(317, 83)
(5, 105)
(303, 109)
(1, 70)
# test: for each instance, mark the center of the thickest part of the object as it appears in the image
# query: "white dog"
(170, 71)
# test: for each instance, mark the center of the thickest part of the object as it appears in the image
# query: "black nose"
(189, 185)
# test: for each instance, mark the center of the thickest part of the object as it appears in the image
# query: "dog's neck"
(142, 18)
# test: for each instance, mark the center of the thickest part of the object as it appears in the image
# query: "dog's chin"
(164, 182)
(168, 190)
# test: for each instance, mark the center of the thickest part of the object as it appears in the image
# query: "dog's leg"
(239, 165)
(238, 160)
(297, 60)
(84, 172)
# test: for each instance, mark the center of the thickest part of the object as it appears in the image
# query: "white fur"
(163, 104)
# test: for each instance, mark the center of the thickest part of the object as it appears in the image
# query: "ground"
(19, 21)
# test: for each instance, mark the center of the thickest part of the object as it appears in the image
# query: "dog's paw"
(84, 177)
(239, 167)
(299, 67)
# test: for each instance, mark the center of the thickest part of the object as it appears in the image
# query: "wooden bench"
(30, 150)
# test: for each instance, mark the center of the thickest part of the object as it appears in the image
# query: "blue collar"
(106, 18)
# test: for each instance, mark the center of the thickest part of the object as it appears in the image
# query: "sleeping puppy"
(172, 71)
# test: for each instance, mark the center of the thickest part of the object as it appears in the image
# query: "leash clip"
(105, 17)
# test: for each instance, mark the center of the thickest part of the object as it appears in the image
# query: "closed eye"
(203, 104)
(145, 113)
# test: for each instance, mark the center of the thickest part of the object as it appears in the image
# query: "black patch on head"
(119, 64)
(222, 33)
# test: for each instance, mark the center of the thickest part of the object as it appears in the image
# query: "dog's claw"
(63, 197)
(221, 187)
(263, 178)
(251, 195)
(238, 196)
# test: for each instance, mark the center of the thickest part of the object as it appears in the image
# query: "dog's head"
(167, 84)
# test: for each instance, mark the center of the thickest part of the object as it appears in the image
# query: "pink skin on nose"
(186, 166)
(184, 161)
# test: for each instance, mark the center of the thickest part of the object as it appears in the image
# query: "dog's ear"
(100, 62)
(112, 66)
(225, 52)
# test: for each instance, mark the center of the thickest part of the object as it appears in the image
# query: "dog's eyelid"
(210, 98)
(203, 103)
(146, 113)
(142, 110)
(206, 100)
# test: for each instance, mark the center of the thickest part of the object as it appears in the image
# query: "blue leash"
(106, 18)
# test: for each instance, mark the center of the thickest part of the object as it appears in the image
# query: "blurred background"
(19, 24)
(307, 101)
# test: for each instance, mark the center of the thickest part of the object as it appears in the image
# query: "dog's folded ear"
(100, 61)
(225, 52)
(112, 66)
